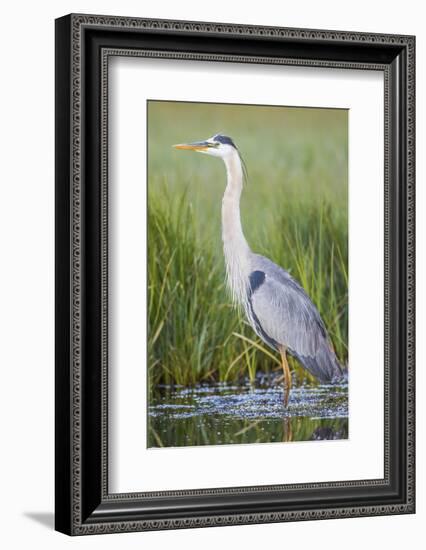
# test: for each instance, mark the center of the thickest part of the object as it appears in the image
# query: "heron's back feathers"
(283, 315)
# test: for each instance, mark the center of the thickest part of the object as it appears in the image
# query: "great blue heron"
(277, 307)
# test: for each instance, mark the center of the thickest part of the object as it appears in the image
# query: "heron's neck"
(235, 246)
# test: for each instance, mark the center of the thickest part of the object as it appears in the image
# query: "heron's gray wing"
(287, 316)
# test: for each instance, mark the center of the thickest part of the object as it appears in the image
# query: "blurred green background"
(294, 210)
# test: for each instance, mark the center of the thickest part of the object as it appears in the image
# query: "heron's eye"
(214, 144)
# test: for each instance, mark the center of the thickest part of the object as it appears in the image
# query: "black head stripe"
(225, 140)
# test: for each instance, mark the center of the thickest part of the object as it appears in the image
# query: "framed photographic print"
(234, 274)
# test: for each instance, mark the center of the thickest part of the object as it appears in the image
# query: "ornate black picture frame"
(84, 44)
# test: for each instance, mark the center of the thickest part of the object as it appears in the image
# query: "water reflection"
(226, 414)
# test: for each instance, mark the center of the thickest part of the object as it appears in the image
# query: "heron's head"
(216, 146)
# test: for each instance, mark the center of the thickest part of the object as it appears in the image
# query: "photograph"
(234, 274)
(247, 270)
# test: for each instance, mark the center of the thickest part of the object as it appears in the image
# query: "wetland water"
(225, 414)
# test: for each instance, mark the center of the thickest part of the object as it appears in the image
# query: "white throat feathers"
(235, 247)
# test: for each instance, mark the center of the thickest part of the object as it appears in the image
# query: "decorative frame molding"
(84, 43)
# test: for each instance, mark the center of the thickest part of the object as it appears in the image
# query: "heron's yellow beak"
(196, 146)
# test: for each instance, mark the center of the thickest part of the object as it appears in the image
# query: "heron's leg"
(287, 430)
(287, 375)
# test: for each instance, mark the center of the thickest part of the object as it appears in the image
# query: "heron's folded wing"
(287, 315)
